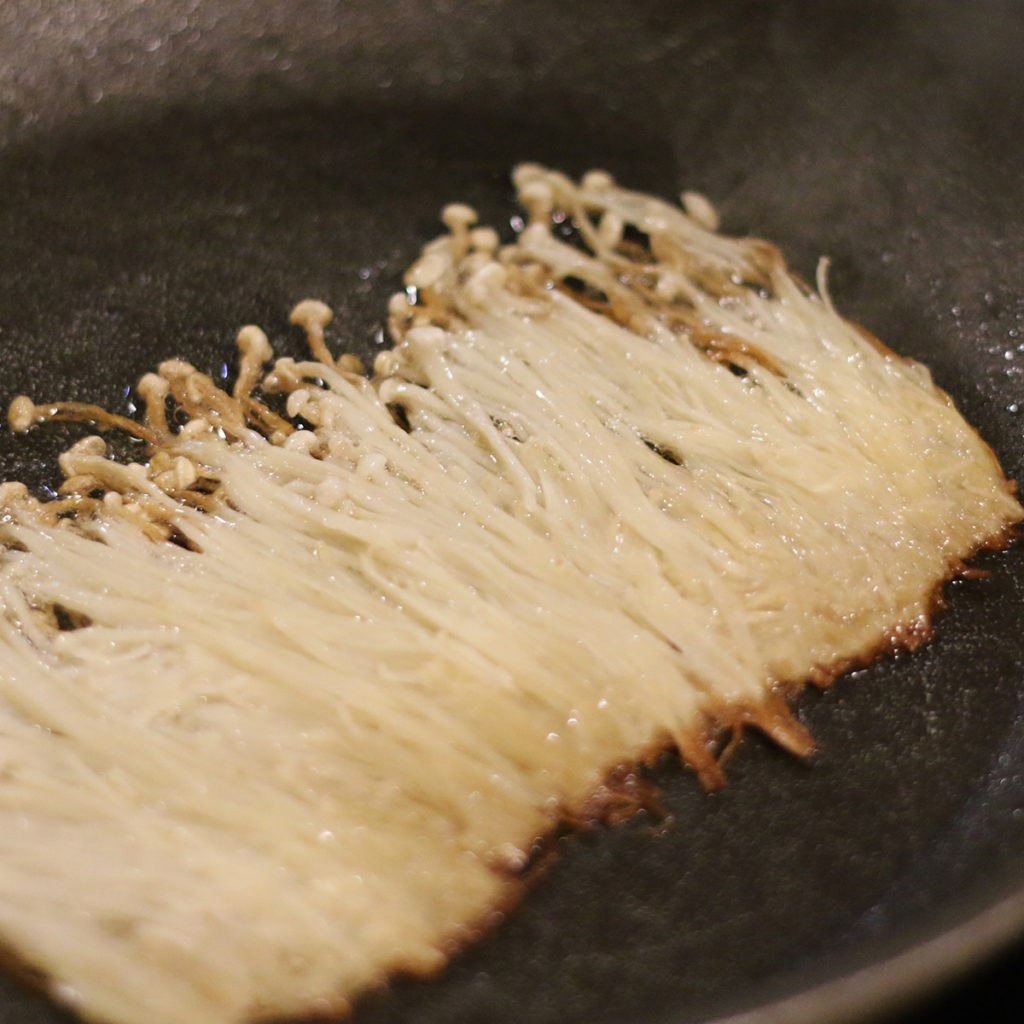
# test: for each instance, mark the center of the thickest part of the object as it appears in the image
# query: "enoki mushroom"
(284, 707)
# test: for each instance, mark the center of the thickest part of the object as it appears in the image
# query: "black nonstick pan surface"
(172, 170)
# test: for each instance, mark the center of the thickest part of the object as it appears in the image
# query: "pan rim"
(920, 961)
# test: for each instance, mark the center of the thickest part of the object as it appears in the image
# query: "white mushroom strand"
(283, 709)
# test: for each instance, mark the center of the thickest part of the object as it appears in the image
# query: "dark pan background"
(170, 171)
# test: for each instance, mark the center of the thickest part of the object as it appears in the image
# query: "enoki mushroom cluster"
(284, 707)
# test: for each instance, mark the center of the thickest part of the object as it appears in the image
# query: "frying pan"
(172, 170)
